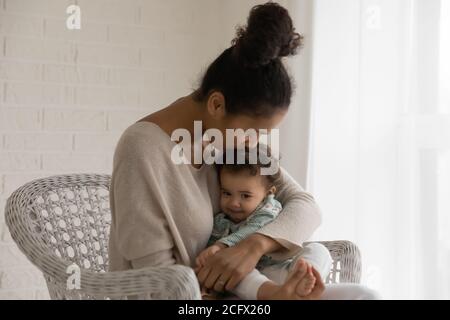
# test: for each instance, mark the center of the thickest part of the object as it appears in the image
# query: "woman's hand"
(229, 266)
(205, 254)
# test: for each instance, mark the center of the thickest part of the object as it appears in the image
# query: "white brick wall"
(66, 96)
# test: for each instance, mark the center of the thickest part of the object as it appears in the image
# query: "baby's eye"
(246, 196)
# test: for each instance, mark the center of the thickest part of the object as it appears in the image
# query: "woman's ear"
(216, 105)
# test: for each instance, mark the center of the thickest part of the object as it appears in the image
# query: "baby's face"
(241, 193)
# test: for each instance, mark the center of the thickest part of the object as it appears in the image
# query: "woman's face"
(217, 117)
(245, 123)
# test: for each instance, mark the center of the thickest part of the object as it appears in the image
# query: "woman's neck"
(182, 114)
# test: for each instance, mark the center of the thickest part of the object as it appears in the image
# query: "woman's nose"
(251, 143)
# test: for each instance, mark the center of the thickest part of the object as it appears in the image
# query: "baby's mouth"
(235, 216)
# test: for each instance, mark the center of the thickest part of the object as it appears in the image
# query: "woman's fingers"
(219, 276)
(223, 283)
(235, 278)
(218, 270)
(203, 274)
(209, 273)
(198, 262)
(219, 285)
(230, 277)
(223, 278)
(226, 268)
(213, 276)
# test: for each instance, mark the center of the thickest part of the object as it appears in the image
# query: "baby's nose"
(235, 204)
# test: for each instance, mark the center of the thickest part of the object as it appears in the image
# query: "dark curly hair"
(250, 74)
(263, 160)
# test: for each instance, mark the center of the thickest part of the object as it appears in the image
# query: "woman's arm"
(140, 233)
(261, 244)
(298, 220)
(162, 258)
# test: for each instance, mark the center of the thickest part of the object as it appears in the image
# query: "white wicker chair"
(64, 219)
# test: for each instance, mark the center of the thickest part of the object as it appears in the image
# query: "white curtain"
(379, 161)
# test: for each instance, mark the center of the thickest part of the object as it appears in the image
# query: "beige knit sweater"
(162, 213)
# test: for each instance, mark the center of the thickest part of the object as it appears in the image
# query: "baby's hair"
(263, 160)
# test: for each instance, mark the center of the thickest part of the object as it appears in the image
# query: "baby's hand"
(208, 252)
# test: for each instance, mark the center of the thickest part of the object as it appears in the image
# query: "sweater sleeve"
(298, 219)
(140, 228)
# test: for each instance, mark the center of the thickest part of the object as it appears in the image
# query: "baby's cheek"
(222, 203)
(251, 206)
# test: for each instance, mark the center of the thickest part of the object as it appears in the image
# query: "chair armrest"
(346, 261)
(176, 282)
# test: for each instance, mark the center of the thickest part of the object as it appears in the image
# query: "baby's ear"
(272, 190)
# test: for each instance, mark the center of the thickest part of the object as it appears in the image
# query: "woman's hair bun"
(269, 35)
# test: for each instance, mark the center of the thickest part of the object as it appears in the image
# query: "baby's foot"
(306, 284)
(296, 281)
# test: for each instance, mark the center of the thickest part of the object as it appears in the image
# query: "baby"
(247, 204)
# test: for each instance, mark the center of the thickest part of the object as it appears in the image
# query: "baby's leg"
(315, 254)
(283, 271)
(247, 289)
(318, 256)
(301, 279)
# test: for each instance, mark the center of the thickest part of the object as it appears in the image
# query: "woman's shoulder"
(146, 128)
(144, 138)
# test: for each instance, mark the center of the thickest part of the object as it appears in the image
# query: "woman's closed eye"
(226, 193)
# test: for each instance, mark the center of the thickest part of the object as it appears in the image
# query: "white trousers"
(319, 257)
(349, 291)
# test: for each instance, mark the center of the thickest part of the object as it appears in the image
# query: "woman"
(162, 213)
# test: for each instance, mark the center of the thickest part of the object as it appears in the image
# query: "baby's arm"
(206, 253)
(267, 213)
(221, 227)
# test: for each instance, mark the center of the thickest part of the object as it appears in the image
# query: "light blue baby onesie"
(230, 233)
